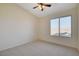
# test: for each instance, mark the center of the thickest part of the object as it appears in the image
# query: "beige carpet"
(39, 48)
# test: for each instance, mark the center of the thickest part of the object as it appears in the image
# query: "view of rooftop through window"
(61, 26)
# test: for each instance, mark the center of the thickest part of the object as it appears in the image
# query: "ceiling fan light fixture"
(42, 6)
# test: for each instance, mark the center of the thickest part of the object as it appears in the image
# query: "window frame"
(59, 26)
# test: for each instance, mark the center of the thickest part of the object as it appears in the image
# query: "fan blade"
(48, 5)
(35, 7)
(40, 3)
(42, 9)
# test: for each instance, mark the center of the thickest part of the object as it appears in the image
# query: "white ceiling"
(56, 7)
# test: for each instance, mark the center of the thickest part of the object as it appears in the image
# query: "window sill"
(60, 36)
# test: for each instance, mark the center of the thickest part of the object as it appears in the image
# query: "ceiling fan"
(41, 6)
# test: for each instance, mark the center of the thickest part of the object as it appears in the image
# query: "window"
(61, 26)
(55, 27)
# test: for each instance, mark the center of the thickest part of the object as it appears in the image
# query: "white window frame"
(59, 26)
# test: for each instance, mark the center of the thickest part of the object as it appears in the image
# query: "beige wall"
(44, 33)
(17, 26)
(78, 26)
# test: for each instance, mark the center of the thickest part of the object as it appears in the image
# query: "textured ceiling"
(56, 7)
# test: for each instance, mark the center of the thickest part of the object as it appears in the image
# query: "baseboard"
(59, 44)
(17, 45)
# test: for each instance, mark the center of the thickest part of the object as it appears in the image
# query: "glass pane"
(54, 27)
(65, 26)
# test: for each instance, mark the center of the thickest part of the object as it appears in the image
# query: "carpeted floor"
(39, 48)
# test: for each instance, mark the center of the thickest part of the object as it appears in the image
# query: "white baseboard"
(60, 44)
(17, 45)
